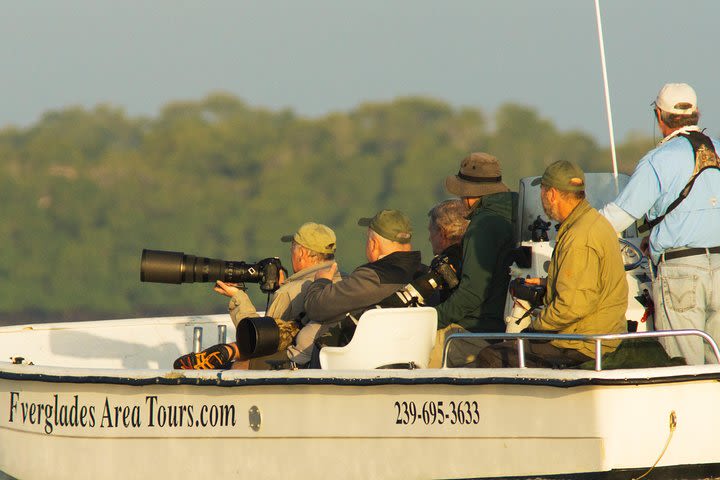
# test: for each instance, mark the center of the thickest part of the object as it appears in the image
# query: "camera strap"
(705, 158)
(527, 313)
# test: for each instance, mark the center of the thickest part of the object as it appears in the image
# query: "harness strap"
(705, 158)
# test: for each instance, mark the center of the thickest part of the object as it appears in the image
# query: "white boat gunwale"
(597, 339)
(457, 377)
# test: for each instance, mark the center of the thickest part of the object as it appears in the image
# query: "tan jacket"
(288, 303)
(587, 291)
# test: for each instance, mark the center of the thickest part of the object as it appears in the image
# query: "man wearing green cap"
(312, 249)
(392, 264)
(586, 286)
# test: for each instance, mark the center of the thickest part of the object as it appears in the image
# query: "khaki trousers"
(461, 352)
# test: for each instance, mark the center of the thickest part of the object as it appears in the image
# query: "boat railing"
(596, 339)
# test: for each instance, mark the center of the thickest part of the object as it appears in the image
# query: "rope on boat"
(673, 424)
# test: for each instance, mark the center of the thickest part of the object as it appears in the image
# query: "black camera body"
(534, 294)
(443, 272)
(539, 230)
(441, 275)
(160, 266)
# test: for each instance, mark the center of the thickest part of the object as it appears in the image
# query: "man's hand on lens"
(227, 289)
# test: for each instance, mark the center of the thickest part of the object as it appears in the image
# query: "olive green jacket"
(587, 291)
(478, 302)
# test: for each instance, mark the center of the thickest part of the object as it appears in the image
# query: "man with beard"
(586, 286)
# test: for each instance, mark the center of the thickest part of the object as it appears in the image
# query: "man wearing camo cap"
(312, 249)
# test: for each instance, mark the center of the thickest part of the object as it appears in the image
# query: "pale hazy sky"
(322, 55)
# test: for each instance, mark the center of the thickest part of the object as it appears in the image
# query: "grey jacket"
(328, 303)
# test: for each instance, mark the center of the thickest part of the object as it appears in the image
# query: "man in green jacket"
(477, 305)
(586, 286)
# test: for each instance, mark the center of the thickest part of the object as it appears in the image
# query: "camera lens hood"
(257, 337)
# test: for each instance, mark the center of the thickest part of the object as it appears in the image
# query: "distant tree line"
(82, 192)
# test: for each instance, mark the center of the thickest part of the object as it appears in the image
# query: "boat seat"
(386, 336)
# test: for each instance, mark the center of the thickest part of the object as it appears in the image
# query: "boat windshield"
(600, 190)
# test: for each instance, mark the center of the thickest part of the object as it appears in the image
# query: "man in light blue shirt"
(684, 242)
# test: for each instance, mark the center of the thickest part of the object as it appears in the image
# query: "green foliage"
(83, 192)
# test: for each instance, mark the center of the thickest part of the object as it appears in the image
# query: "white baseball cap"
(678, 98)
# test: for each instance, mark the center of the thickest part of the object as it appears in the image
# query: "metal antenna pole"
(607, 94)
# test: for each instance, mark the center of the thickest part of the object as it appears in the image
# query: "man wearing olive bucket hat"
(478, 304)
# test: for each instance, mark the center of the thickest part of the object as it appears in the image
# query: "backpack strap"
(705, 158)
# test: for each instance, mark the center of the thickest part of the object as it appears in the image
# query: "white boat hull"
(89, 423)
